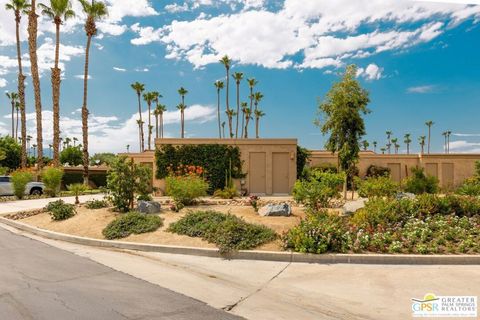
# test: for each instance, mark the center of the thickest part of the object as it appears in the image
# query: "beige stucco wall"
(246, 146)
(463, 164)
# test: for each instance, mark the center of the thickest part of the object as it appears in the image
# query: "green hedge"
(214, 158)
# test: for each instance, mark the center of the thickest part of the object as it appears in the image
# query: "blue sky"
(418, 60)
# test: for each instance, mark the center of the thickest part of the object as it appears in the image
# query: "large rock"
(353, 206)
(276, 210)
(404, 195)
(148, 207)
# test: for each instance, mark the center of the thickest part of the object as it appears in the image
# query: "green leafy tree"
(102, 159)
(71, 155)
(125, 180)
(341, 117)
(12, 152)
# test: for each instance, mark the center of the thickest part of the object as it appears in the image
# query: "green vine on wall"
(216, 159)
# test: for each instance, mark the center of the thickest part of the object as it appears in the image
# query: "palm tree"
(244, 107)
(13, 97)
(29, 138)
(182, 92)
(94, 11)
(421, 140)
(238, 76)
(59, 11)
(230, 114)
(251, 84)
(219, 86)
(34, 147)
(223, 129)
(248, 117)
(394, 141)
(407, 141)
(128, 148)
(397, 146)
(258, 96)
(226, 63)
(32, 47)
(383, 150)
(448, 140)
(365, 145)
(258, 114)
(75, 141)
(375, 146)
(149, 97)
(67, 141)
(61, 139)
(182, 108)
(139, 88)
(444, 134)
(429, 124)
(156, 114)
(389, 144)
(161, 110)
(17, 107)
(20, 7)
(50, 147)
(140, 133)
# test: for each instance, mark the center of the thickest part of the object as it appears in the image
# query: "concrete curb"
(384, 259)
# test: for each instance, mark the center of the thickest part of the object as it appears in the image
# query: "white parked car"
(33, 188)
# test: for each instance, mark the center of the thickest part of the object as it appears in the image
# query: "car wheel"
(36, 192)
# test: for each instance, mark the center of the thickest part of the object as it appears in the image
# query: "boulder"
(404, 195)
(148, 207)
(354, 206)
(276, 210)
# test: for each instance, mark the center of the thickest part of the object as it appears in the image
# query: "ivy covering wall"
(216, 160)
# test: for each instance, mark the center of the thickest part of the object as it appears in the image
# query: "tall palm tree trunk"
(429, 133)
(228, 104)
(16, 128)
(183, 123)
(156, 126)
(32, 44)
(218, 114)
(257, 120)
(56, 72)
(13, 119)
(246, 126)
(21, 93)
(85, 113)
(161, 125)
(140, 126)
(149, 125)
(238, 110)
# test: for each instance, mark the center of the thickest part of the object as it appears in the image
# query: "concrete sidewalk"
(23, 205)
(278, 290)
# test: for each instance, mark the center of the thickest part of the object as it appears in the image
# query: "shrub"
(381, 212)
(52, 178)
(381, 186)
(318, 233)
(377, 171)
(228, 232)
(59, 210)
(226, 193)
(215, 159)
(96, 204)
(11, 151)
(185, 189)
(125, 179)
(317, 191)
(420, 183)
(77, 189)
(302, 158)
(131, 223)
(20, 179)
(471, 187)
(71, 155)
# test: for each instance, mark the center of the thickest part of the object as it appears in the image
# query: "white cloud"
(175, 7)
(108, 133)
(466, 134)
(462, 146)
(323, 33)
(3, 83)
(119, 69)
(371, 72)
(81, 76)
(422, 89)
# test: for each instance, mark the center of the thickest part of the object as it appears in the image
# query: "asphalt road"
(41, 282)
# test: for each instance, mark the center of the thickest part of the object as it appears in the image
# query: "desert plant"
(226, 193)
(20, 179)
(420, 183)
(185, 189)
(96, 204)
(317, 191)
(380, 186)
(52, 178)
(77, 189)
(377, 171)
(228, 232)
(59, 210)
(131, 223)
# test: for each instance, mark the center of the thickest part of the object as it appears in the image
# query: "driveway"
(38, 281)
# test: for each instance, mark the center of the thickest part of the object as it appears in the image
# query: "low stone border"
(256, 255)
